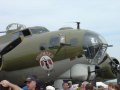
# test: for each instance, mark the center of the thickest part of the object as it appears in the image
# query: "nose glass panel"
(94, 46)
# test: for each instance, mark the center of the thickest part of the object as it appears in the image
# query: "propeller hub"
(118, 67)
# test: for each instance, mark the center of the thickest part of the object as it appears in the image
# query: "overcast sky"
(101, 16)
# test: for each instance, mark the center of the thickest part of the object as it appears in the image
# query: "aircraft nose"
(94, 46)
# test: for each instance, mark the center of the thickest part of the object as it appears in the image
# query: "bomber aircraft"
(67, 53)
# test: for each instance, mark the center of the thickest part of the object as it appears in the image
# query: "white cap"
(50, 88)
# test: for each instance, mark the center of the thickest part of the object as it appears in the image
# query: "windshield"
(39, 30)
(94, 46)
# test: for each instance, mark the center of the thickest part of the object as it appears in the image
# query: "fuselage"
(25, 54)
(25, 58)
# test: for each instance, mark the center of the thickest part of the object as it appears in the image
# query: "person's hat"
(31, 78)
(84, 83)
(70, 82)
(50, 88)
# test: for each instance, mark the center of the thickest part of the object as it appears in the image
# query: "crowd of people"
(32, 83)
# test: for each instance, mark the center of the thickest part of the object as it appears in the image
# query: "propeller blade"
(11, 46)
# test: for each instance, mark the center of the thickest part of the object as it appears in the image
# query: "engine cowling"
(110, 68)
(115, 66)
(80, 72)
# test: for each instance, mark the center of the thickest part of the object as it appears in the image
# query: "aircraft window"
(73, 42)
(26, 32)
(94, 46)
(43, 46)
(54, 42)
(20, 33)
(15, 35)
(38, 31)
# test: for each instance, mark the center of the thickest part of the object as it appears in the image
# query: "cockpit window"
(73, 41)
(94, 46)
(26, 32)
(54, 42)
(38, 31)
(15, 35)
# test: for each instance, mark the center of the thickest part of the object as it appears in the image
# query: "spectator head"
(31, 78)
(50, 88)
(83, 85)
(32, 82)
(116, 87)
(89, 87)
(110, 86)
(70, 83)
(65, 86)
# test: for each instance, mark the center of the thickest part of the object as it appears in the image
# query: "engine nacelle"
(109, 67)
(80, 72)
(115, 67)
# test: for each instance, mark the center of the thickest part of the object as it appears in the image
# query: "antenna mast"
(78, 25)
